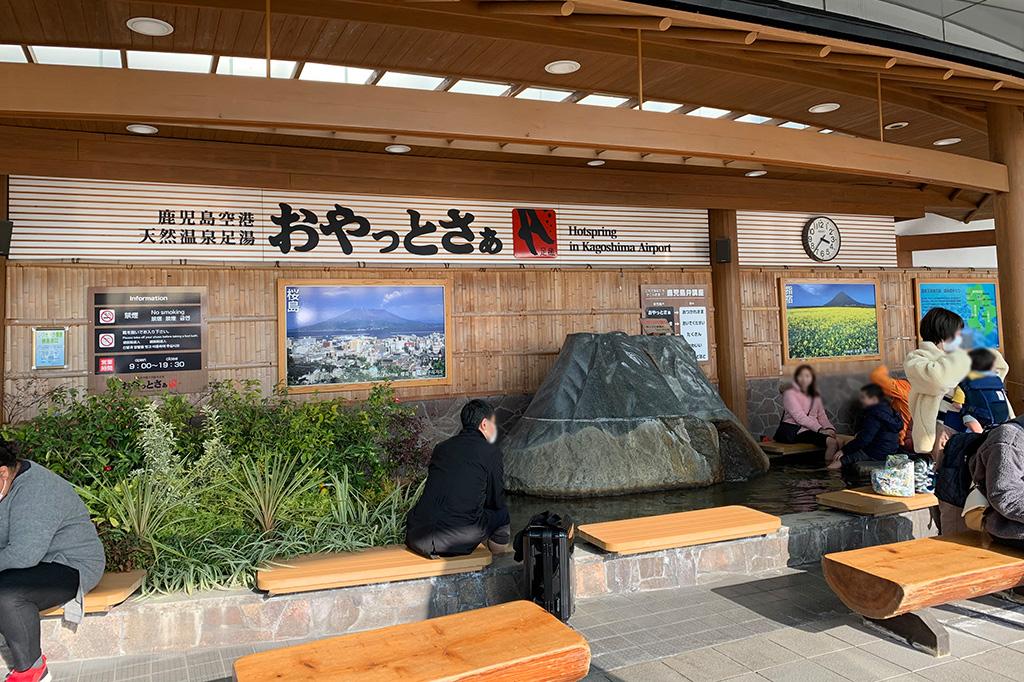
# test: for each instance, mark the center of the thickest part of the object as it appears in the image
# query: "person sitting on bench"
(463, 502)
(879, 433)
(898, 392)
(50, 555)
(803, 416)
(980, 399)
(998, 472)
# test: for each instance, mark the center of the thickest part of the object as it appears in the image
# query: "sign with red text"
(685, 308)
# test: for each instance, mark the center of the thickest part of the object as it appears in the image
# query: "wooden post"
(726, 290)
(3, 306)
(1006, 145)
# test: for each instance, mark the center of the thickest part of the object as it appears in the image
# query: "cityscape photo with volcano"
(356, 334)
(830, 320)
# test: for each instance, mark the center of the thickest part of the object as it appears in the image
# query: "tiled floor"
(786, 627)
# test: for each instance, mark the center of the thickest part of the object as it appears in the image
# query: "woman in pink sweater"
(803, 417)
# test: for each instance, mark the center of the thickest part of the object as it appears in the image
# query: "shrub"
(203, 492)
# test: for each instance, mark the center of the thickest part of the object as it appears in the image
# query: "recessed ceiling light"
(595, 162)
(897, 125)
(663, 107)
(603, 101)
(544, 94)
(824, 108)
(946, 141)
(753, 118)
(471, 87)
(398, 149)
(142, 129)
(755, 173)
(708, 112)
(826, 131)
(562, 67)
(793, 125)
(148, 26)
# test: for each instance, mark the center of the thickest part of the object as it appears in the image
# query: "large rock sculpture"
(625, 414)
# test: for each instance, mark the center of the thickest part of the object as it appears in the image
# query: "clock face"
(822, 240)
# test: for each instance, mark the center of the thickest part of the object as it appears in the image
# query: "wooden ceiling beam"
(788, 49)
(29, 151)
(540, 8)
(712, 35)
(34, 91)
(966, 239)
(617, 21)
(868, 62)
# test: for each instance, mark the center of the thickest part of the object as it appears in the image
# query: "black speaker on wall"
(6, 230)
(723, 250)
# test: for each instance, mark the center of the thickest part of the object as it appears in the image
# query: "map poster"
(49, 347)
(977, 301)
(831, 319)
(155, 336)
(351, 333)
(685, 307)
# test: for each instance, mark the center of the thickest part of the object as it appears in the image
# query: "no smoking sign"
(107, 340)
(107, 316)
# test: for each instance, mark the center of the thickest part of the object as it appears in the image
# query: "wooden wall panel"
(774, 238)
(508, 325)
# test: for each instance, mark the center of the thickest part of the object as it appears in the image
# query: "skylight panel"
(603, 101)
(470, 87)
(663, 107)
(12, 53)
(170, 61)
(250, 66)
(331, 73)
(415, 81)
(753, 118)
(545, 94)
(708, 112)
(793, 125)
(76, 56)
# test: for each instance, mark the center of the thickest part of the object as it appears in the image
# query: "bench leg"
(920, 630)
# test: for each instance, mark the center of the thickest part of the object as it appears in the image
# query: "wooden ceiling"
(696, 61)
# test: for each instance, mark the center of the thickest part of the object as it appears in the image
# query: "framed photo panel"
(975, 300)
(348, 334)
(831, 319)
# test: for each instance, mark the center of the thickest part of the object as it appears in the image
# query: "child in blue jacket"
(980, 398)
(879, 433)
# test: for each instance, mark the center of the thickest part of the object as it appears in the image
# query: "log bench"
(113, 589)
(682, 529)
(867, 502)
(363, 567)
(514, 641)
(891, 585)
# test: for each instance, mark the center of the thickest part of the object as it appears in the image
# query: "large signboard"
(59, 218)
(685, 307)
(977, 301)
(351, 334)
(830, 319)
(156, 336)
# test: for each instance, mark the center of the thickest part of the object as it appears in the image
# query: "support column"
(3, 305)
(726, 290)
(1006, 146)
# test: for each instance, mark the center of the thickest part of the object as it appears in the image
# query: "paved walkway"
(785, 627)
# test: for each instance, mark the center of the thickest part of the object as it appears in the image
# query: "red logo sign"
(106, 366)
(534, 233)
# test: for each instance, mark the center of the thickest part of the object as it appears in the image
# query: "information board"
(49, 348)
(686, 309)
(153, 335)
(976, 301)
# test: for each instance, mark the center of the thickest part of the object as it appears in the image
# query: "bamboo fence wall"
(508, 324)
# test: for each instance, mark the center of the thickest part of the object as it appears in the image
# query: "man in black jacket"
(463, 502)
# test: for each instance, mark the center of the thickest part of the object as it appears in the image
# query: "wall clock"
(822, 239)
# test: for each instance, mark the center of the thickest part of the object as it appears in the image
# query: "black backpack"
(953, 478)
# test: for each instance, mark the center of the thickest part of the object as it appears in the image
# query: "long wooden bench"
(682, 529)
(514, 641)
(113, 589)
(375, 565)
(890, 585)
(867, 502)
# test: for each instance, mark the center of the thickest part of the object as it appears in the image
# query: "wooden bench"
(771, 448)
(113, 589)
(514, 641)
(890, 585)
(867, 502)
(699, 527)
(375, 565)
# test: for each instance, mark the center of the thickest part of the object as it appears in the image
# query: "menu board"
(156, 336)
(685, 307)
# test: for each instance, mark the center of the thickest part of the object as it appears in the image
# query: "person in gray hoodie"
(50, 555)
(998, 471)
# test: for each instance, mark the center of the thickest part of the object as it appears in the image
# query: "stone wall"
(179, 622)
(839, 393)
(441, 416)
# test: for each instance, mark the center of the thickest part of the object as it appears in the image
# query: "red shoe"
(38, 674)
